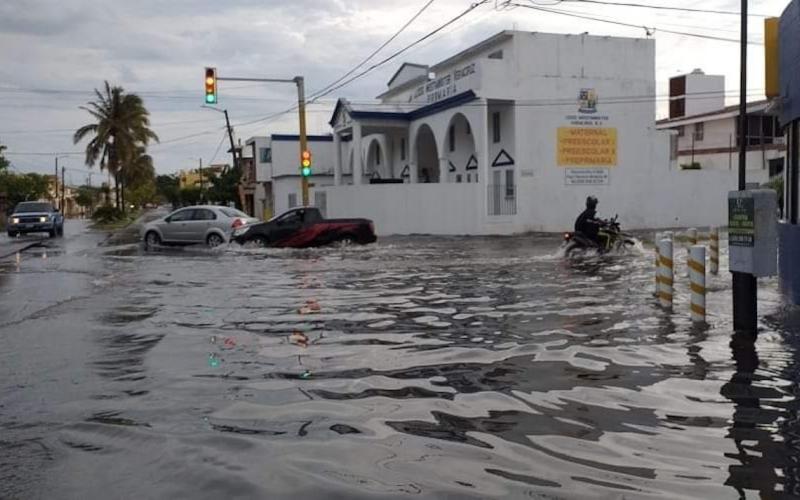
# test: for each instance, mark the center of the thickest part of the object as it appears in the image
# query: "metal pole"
(55, 186)
(745, 287)
(63, 193)
(200, 160)
(301, 106)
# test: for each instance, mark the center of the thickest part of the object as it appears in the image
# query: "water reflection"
(444, 368)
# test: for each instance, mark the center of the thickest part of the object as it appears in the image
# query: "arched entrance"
(427, 155)
(459, 148)
(377, 166)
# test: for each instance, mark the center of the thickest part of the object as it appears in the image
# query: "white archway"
(377, 164)
(426, 154)
(458, 148)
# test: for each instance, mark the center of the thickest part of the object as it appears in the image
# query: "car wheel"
(52, 233)
(12, 234)
(151, 239)
(214, 240)
(61, 231)
(347, 240)
(259, 242)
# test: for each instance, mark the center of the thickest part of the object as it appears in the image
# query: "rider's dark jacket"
(587, 224)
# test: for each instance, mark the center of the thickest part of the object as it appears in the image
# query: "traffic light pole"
(301, 106)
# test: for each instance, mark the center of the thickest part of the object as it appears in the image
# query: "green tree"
(88, 196)
(23, 187)
(143, 194)
(190, 195)
(4, 163)
(139, 169)
(168, 188)
(122, 124)
(225, 187)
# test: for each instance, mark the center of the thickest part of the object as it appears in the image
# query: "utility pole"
(201, 178)
(63, 185)
(745, 286)
(301, 107)
(55, 185)
(230, 137)
(301, 101)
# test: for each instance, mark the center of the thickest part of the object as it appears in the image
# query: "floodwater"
(417, 367)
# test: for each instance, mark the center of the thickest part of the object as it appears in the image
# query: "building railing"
(502, 199)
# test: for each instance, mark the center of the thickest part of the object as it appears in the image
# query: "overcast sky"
(54, 52)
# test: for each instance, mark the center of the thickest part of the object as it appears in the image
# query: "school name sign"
(586, 147)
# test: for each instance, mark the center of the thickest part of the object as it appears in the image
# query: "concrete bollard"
(691, 235)
(697, 282)
(658, 262)
(714, 246)
(666, 273)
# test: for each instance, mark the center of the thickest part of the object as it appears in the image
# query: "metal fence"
(502, 199)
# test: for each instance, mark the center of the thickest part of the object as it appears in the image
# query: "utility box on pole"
(753, 232)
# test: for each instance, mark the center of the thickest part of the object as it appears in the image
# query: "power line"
(374, 52)
(648, 30)
(224, 136)
(374, 66)
(664, 7)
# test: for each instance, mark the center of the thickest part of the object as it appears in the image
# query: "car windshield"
(232, 212)
(33, 207)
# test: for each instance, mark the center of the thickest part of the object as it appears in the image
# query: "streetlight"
(230, 131)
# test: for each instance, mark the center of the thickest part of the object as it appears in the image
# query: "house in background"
(707, 131)
(276, 160)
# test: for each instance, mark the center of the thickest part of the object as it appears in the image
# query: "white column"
(412, 156)
(358, 157)
(337, 159)
(444, 166)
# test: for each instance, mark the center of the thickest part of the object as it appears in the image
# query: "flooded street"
(418, 367)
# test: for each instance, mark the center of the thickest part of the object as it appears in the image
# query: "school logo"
(587, 101)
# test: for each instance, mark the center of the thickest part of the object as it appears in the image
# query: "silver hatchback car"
(209, 224)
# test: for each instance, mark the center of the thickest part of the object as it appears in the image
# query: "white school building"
(511, 135)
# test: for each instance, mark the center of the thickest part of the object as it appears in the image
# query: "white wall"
(704, 93)
(410, 208)
(263, 169)
(286, 157)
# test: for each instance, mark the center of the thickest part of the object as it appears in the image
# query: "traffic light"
(305, 163)
(211, 85)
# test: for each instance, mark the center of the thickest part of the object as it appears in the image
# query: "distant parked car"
(305, 227)
(207, 224)
(35, 217)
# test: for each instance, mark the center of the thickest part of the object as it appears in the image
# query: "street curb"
(21, 249)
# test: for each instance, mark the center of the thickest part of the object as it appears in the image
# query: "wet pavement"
(417, 367)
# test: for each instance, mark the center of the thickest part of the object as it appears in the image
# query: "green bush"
(107, 214)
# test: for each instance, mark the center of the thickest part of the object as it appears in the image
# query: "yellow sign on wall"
(587, 147)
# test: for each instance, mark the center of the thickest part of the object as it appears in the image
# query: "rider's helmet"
(591, 202)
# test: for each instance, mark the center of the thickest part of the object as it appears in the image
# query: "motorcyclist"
(588, 224)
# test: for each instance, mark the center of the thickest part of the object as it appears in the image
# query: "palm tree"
(122, 124)
(139, 167)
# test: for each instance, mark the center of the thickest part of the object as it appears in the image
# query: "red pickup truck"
(305, 227)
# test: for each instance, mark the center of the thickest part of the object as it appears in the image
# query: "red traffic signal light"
(211, 85)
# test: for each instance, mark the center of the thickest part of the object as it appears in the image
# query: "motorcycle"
(609, 232)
